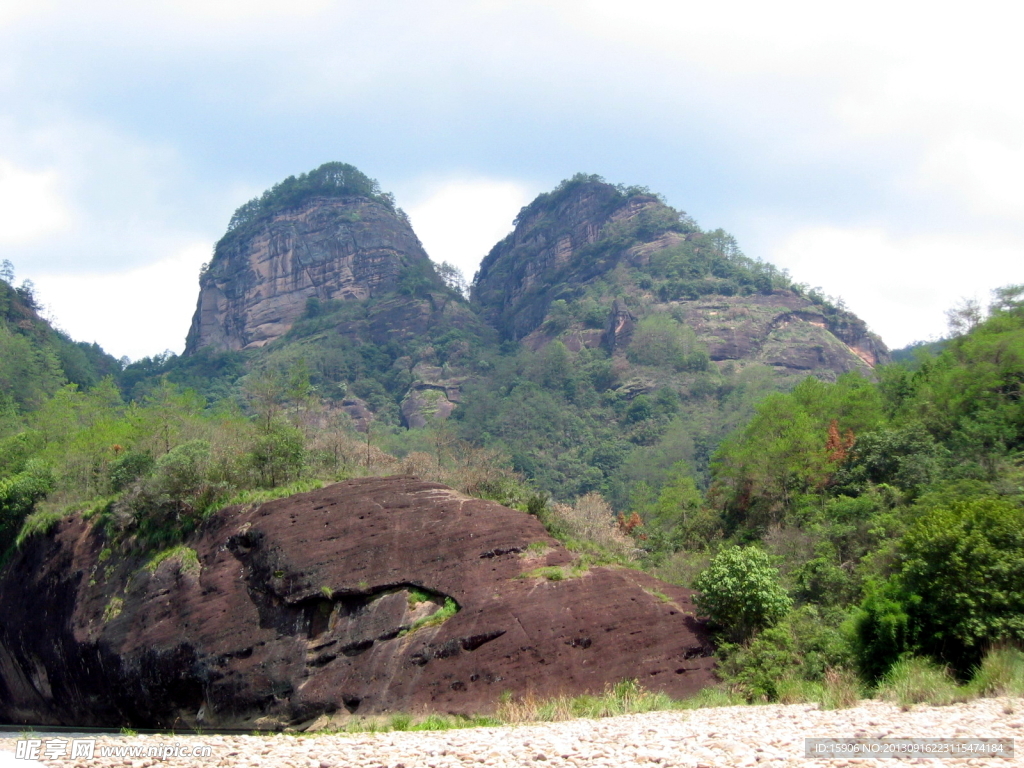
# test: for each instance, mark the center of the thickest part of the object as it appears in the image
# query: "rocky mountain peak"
(327, 235)
(590, 255)
(549, 245)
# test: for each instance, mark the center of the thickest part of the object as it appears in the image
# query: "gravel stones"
(769, 736)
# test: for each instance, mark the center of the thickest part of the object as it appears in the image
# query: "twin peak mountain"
(328, 258)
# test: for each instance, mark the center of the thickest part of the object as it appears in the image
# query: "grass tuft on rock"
(39, 523)
(440, 616)
(188, 559)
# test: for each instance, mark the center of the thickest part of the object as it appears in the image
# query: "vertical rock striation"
(262, 277)
(591, 240)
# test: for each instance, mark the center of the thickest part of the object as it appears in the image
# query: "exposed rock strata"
(433, 395)
(327, 248)
(300, 611)
(783, 330)
(513, 286)
(557, 250)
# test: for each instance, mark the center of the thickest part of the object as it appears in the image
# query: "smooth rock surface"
(305, 610)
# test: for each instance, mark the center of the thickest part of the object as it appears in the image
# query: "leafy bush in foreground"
(740, 592)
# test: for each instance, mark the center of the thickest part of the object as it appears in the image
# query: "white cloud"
(233, 10)
(12, 10)
(30, 204)
(135, 313)
(460, 220)
(983, 170)
(938, 87)
(901, 286)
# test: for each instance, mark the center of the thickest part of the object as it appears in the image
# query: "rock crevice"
(282, 626)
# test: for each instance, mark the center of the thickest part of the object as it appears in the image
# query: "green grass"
(658, 594)
(623, 698)
(188, 557)
(1001, 674)
(113, 609)
(919, 681)
(406, 722)
(557, 572)
(909, 682)
(417, 596)
(262, 495)
(42, 521)
(841, 689)
(96, 506)
(713, 697)
(440, 616)
(39, 523)
(549, 572)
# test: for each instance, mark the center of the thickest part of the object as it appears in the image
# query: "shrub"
(880, 631)
(789, 662)
(959, 588)
(18, 496)
(277, 455)
(660, 341)
(740, 592)
(129, 467)
(759, 670)
(962, 579)
(589, 521)
(167, 504)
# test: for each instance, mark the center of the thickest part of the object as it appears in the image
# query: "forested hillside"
(656, 397)
(36, 359)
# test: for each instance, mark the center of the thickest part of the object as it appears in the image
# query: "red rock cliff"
(308, 608)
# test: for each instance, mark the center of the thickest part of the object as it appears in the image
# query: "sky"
(874, 150)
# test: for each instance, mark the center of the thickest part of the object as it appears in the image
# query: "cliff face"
(631, 255)
(520, 276)
(586, 240)
(326, 248)
(305, 609)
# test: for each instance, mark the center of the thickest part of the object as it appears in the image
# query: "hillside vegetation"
(844, 517)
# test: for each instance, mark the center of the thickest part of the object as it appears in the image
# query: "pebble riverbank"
(770, 736)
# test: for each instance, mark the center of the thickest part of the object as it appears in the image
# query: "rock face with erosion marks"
(631, 256)
(326, 248)
(785, 331)
(372, 595)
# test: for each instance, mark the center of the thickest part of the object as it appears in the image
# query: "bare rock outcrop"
(302, 610)
(522, 274)
(326, 248)
(783, 330)
(591, 239)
